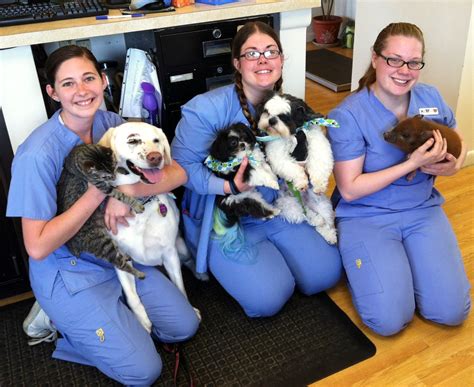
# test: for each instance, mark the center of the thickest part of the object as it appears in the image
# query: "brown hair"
(393, 29)
(61, 55)
(240, 38)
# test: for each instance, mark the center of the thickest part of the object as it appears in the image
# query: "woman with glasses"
(274, 255)
(398, 248)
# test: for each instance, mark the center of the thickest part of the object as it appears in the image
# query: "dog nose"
(154, 158)
(272, 121)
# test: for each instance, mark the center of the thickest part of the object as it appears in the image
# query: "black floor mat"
(308, 340)
(329, 69)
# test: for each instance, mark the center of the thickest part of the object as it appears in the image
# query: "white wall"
(464, 110)
(445, 24)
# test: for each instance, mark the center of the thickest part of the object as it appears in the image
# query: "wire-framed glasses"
(397, 62)
(255, 55)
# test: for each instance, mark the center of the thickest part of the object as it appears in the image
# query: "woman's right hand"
(116, 212)
(241, 185)
(432, 151)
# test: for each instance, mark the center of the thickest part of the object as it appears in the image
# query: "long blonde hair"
(393, 29)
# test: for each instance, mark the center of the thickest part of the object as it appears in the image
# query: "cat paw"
(138, 208)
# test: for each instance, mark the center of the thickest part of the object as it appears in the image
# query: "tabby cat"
(95, 164)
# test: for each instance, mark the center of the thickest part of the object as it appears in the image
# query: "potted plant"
(326, 26)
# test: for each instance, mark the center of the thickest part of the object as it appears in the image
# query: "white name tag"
(431, 111)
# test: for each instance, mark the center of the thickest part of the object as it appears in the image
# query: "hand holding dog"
(241, 185)
(116, 213)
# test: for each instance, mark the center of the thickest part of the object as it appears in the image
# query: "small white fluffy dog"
(152, 237)
(299, 152)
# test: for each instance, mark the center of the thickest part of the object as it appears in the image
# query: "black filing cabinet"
(13, 258)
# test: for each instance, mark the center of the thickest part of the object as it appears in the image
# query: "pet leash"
(296, 194)
(179, 359)
(327, 122)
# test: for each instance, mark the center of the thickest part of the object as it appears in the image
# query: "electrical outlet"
(84, 43)
(81, 42)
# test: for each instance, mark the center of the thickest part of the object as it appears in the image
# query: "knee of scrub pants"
(143, 370)
(451, 312)
(261, 288)
(385, 309)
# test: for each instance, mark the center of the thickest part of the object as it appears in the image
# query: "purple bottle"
(150, 103)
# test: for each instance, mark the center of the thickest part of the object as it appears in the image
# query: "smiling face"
(79, 88)
(395, 82)
(261, 74)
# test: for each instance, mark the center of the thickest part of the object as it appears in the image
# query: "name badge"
(431, 111)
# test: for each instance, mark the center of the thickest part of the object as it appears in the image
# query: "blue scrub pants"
(127, 352)
(397, 261)
(285, 253)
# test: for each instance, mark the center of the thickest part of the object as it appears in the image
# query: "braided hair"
(393, 29)
(240, 38)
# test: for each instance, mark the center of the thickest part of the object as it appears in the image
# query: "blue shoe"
(39, 327)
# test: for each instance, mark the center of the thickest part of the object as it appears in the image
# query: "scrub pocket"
(362, 276)
(103, 340)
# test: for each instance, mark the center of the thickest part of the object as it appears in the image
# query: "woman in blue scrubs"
(83, 297)
(275, 255)
(398, 249)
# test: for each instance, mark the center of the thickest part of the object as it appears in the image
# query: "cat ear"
(88, 165)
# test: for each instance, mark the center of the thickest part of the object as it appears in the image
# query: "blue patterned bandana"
(229, 165)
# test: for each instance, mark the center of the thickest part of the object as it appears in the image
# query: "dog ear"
(219, 146)
(302, 112)
(166, 149)
(107, 139)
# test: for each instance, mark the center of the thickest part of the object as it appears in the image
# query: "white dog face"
(141, 148)
(282, 114)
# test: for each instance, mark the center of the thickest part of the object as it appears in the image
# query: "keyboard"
(45, 11)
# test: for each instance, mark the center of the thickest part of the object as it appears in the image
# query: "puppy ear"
(219, 147)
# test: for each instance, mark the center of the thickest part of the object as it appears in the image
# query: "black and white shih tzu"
(226, 154)
(298, 151)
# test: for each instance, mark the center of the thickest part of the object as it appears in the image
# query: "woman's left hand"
(448, 167)
(116, 212)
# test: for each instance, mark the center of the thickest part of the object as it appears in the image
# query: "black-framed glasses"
(255, 55)
(397, 62)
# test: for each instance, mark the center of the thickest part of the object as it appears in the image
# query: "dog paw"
(145, 322)
(301, 185)
(329, 234)
(198, 313)
(319, 188)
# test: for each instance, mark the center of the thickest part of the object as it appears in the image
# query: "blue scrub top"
(363, 119)
(36, 169)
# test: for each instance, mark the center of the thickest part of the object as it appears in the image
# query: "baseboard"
(469, 159)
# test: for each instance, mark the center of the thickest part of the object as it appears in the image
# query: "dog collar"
(228, 166)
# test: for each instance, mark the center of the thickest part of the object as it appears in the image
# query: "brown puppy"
(413, 132)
